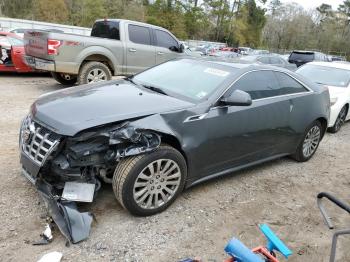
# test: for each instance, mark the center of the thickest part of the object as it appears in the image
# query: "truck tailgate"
(35, 43)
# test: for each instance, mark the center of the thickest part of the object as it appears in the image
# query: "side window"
(259, 84)
(264, 60)
(275, 61)
(287, 85)
(165, 40)
(139, 34)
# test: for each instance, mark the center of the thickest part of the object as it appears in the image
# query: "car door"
(140, 53)
(167, 47)
(240, 135)
(299, 97)
(17, 55)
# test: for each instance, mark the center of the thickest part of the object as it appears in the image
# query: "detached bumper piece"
(74, 225)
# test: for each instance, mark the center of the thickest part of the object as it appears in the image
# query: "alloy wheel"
(157, 183)
(311, 141)
(340, 119)
(96, 75)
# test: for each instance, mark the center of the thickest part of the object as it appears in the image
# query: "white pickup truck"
(115, 47)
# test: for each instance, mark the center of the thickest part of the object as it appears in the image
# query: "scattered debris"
(51, 257)
(46, 236)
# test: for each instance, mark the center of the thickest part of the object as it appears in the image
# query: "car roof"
(331, 64)
(132, 22)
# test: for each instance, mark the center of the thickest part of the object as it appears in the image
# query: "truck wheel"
(64, 79)
(147, 184)
(92, 72)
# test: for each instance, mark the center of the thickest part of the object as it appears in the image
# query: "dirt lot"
(281, 194)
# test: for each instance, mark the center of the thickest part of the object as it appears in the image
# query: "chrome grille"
(36, 141)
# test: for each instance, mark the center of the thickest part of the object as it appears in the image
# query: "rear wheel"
(339, 121)
(92, 72)
(308, 146)
(64, 79)
(147, 184)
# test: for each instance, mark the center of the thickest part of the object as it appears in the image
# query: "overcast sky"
(307, 4)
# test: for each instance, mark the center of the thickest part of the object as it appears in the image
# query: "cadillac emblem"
(26, 135)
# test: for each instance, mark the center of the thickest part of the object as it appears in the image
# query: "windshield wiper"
(130, 80)
(155, 89)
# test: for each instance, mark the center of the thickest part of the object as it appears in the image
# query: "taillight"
(52, 46)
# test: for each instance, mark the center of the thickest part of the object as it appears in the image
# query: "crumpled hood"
(72, 110)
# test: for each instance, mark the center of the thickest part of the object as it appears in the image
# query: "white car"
(336, 76)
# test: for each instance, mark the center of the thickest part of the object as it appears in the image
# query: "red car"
(12, 53)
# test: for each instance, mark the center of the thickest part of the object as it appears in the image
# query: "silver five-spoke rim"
(311, 141)
(157, 183)
(340, 119)
(96, 75)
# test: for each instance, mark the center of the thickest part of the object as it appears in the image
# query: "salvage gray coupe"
(168, 128)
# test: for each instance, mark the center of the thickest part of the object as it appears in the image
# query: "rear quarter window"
(288, 85)
(106, 29)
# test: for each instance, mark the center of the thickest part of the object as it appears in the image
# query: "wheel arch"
(175, 143)
(99, 54)
(99, 58)
(324, 124)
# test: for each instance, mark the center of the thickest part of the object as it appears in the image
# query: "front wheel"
(64, 79)
(339, 121)
(311, 140)
(147, 184)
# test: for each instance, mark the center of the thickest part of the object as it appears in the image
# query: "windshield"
(324, 75)
(192, 79)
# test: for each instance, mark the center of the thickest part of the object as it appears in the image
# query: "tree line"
(289, 27)
(254, 23)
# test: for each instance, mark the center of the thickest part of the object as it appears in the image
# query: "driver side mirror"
(237, 98)
(179, 48)
(182, 48)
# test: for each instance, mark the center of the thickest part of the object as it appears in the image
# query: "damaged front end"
(67, 170)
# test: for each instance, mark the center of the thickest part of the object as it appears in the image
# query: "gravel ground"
(280, 193)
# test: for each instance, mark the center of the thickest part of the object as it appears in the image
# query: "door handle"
(160, 53)
(132, 50)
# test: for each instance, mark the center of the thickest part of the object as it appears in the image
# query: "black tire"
(64, 79)
(299, 154)
(88, 68)
(128, 170)
(340, 120)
